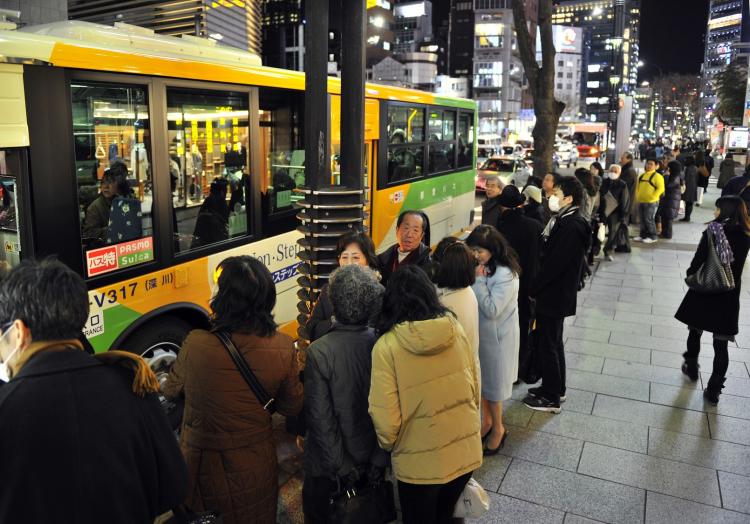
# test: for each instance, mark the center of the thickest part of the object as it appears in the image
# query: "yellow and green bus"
(212, 144)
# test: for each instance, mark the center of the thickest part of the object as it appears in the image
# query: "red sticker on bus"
(102, 260)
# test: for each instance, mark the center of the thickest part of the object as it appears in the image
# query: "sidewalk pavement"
(635, 442)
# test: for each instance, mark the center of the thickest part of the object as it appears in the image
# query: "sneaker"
(638, 238)
(649, 240)
(537, 392)
(541, 404)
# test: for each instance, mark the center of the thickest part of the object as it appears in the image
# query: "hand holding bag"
(373, 503)
(715, 274)
(473, 502)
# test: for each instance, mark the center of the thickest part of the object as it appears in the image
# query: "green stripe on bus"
(116, 320)
(455, 102)
(421, 194)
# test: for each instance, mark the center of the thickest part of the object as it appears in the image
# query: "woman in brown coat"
(226, 434)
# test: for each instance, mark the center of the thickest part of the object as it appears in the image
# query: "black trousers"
(524, 322)
(688, 209)
(316, 494)
(550, 333)
(430, 503)
(666, 223)
(721, 352)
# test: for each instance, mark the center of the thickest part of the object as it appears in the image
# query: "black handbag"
(182, 515)
(713, 276)
(266, 400)
(370, 504)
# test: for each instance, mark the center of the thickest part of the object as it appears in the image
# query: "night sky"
(672, 36)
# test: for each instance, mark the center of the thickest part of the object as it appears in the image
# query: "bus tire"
(158, 342)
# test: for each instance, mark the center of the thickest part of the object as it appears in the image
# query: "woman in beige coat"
(424, 398)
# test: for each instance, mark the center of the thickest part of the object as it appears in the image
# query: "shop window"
(208, 166)
(10, 238)
(114, 175)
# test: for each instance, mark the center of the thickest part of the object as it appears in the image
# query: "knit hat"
(510, 197)
(534, 193)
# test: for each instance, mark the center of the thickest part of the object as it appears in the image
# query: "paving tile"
(733, 385)
(729, 429)
(492, 471)
(735, 491)
(730, 405)
(509, 510)
(586, 333)
(575, 519)
(737, 353)
(607, 350)
(679, 332)
(675, 360)
(648, 372)
(599, 313)
(708, 453)
(609, 385)
(543, 448)
(646, 318)
(663, 509)
(582, 362)
(651, 473)
(646, 341)
(654, 415)
(516, 414)
(610, 432)
(619, 306)
(567, 491)
(611, 325)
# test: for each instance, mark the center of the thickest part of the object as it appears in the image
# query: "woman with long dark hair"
(690, 196)
(704, 174)
(226, 436)
(669, 204)
(717, 313)
(496, 289)
(352, 248)
(424, 398)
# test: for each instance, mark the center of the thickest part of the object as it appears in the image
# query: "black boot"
(690, 368)
(713, 389)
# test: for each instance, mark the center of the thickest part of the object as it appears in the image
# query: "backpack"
(650, 179)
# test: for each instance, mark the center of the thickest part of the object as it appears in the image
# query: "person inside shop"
(96, 222)
(212, 223)
(412, 247)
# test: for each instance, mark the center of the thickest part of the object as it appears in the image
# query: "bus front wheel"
(159, 342)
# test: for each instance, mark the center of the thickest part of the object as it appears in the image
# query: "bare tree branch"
(525, 44)
(545, 31)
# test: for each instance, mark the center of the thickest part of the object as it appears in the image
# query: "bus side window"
(10, 240)
(282, 157)
(209, 159)
(115, 189)
(465, 140)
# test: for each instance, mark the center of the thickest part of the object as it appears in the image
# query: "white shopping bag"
(473, 502)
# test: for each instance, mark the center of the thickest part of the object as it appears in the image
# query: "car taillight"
(594, 150)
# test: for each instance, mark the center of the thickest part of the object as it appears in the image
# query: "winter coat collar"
(56, 357)
(426, 337)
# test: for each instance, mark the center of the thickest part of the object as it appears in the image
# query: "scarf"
(565, 212)
(723, 248)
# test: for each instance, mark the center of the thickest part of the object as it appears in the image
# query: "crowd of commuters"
(412, 355)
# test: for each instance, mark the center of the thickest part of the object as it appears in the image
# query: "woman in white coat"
(496, 290)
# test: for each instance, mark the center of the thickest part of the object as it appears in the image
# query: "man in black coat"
(567, 238)
(740, 186)
(614, 192)
(412, 247)
(629, 175)
(341, 441)
(84, 438)
(524, 234)
(490, 209)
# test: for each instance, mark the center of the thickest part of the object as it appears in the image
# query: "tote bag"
(713, 276)
(473, 502)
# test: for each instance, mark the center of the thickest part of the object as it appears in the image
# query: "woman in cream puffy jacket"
(424, 398)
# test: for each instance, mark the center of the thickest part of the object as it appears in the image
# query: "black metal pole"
(353, 92)
(317, 136)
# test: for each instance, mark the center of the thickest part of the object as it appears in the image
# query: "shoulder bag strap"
(266, 400)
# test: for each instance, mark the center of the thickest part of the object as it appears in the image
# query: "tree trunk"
(541, 82)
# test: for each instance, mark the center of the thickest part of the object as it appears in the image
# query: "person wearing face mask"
(84, 438)
(412, 247)
(353, 248)
(614, 209)
(490, 212)
(566, 241)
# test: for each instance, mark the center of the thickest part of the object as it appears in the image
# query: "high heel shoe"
(488, 452)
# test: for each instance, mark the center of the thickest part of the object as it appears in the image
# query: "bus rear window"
(113, 170)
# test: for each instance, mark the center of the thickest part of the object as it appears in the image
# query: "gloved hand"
(375, 474)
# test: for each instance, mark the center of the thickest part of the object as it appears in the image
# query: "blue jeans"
(647, 213)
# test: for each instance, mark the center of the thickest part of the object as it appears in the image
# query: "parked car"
(529, 159)
(587, 151)
(568, 154)
(510, 170)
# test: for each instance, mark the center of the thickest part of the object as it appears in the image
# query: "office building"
(283, 34)
(644, 111)
(411, 26)
(727, 26)
(35, 13)
(569, 63)
(611, 33)
(236, 24)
